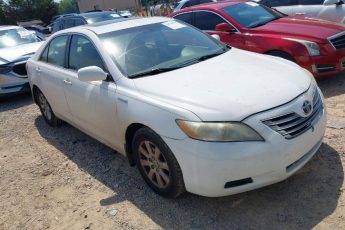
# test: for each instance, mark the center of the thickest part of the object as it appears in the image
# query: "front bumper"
(13, 85)
(327, 65)
(208, 167)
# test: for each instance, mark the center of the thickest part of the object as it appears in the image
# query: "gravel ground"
(59, 178)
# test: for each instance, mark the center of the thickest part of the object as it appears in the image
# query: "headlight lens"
(219, 131)
(312, 47)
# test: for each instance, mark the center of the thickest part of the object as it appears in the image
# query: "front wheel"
(46, 110)
(157, 164)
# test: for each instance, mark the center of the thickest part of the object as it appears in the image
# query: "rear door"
(50, 70)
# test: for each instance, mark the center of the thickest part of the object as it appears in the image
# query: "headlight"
(312, 47)
(219, 131)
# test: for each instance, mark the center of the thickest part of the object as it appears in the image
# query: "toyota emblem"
(307, 107)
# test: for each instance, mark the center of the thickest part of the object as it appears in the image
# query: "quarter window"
(56, 52)
(83, 53)
(207, 20)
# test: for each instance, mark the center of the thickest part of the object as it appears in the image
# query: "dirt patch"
(59, 178)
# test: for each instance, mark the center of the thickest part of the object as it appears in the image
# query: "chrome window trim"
(209, 11)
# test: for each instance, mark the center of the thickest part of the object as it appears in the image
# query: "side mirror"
(92, 73)
(225, 27)
(331, 2)
(216, 36)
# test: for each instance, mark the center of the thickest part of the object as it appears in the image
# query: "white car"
(16, 46)
(330, 10)
(191, 113)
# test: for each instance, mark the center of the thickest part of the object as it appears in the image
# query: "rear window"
(102, 17)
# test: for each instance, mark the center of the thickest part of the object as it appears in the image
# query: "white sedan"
(192, 114)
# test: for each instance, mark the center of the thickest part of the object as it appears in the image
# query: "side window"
(207, 20)
(83, 53)
(187, 4)
(194, 2)
(187, 17)
(44, 55)
(68, 23)
(275, 3)
(79, 22)
(311, 2)
(205, 1)
(56, 51)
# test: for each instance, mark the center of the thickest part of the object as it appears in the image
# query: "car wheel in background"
(46, 110)
(157, 164)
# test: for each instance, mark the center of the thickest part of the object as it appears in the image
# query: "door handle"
(38, 69)
(67, 82)
(300, 13)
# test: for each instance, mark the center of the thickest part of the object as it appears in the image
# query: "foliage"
(68, 6)
(14, 11)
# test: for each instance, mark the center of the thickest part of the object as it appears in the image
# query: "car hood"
(229, 87)
(302, 28)
(14, 53)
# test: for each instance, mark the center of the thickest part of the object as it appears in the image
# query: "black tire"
(281, 54)
(175, 185)
(46, 110)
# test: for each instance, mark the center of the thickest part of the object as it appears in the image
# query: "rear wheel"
(281, 54)
(157, 164)
(46, 110)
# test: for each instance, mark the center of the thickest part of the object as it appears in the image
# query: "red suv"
(316, 45)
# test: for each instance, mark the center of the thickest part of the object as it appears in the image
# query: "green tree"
(25, 10)
(68, 6)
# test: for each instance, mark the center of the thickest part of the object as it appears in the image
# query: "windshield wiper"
(264, 23)
(153, 71)
(208, 56)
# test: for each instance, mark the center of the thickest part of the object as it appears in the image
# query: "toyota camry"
(191, 113)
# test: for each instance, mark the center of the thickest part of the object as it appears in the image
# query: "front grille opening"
(292, 125)
(20, 69)
(338, 41)
(237, 183)
(325, 68)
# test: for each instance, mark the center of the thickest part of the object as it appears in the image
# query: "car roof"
(119, 24)
(215, 5)
(9, 27)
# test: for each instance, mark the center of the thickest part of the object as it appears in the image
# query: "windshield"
(102, 17)
(250, 14)
(161, 46)
(16, 37)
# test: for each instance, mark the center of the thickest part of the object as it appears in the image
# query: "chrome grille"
(292, 125)
(338, 41)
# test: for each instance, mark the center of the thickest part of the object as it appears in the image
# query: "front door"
(207, 21)
(92, 104)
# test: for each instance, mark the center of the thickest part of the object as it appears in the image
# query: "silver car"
(187, 3)
(330, 10)
(17, 45)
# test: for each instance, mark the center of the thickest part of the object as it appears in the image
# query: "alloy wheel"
(46, 110)
(154, 164)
